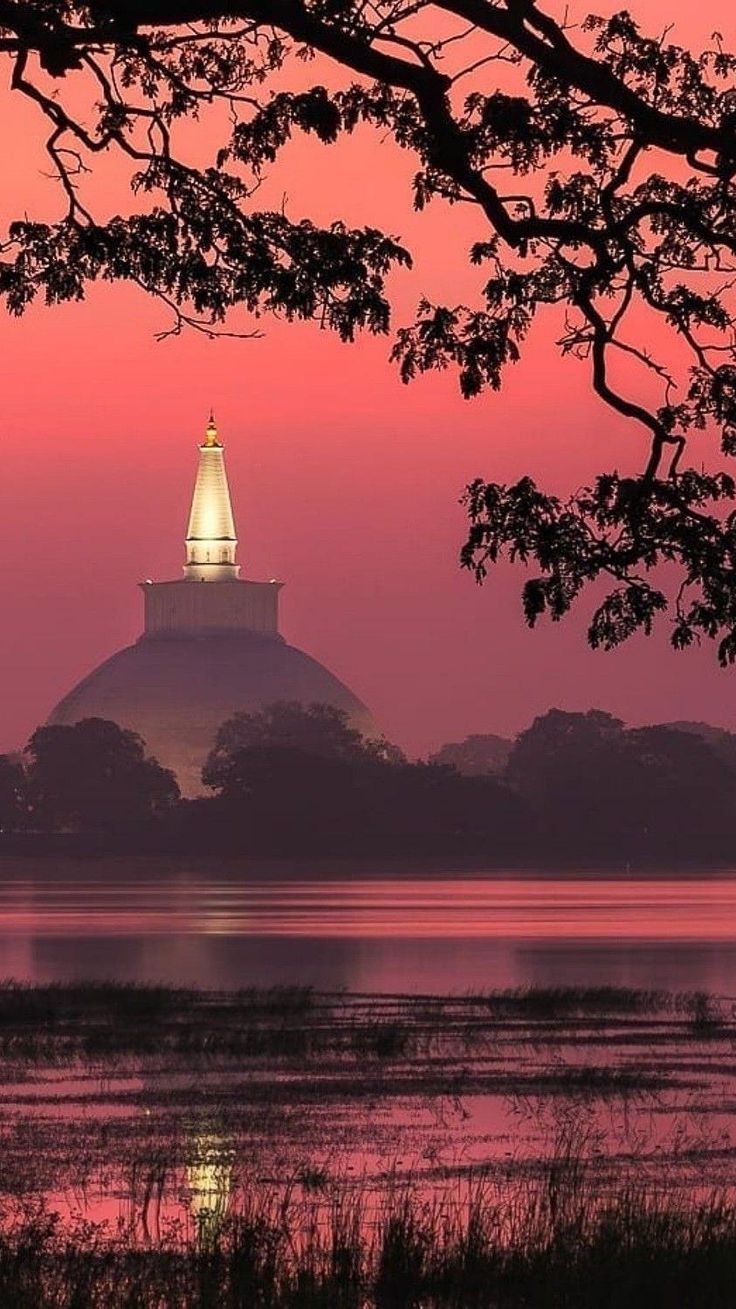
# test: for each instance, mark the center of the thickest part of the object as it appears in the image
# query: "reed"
(566, 1228)
(551, 1245)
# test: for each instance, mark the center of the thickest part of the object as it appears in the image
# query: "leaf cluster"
(599, 159)
(623, 532)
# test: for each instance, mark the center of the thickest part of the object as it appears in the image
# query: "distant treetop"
(318, 730)
(478, 754)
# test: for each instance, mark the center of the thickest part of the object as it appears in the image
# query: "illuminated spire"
(211, 541)
(211, 437)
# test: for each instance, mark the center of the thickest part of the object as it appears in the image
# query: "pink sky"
(345, 483)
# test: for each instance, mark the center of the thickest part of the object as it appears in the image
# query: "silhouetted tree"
(13, 794)
(299, 778)
(287, 801)
(477, 755)
(282, 797)
(686, 790)
(94, 776)
(316, 730)
(599, 789)
(599, 162)
(721, 741)
(569, 767)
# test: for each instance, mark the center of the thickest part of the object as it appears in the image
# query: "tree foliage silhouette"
(621, 148)
(295, 778)
(479, 754)
(600, 788)
(313, 731)
(13, 802)
(94, 775)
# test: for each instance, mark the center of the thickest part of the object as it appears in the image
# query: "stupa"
(210, 646)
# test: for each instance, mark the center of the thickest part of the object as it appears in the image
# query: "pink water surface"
(417, 934)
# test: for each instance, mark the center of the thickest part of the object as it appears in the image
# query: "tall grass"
(550, 1245)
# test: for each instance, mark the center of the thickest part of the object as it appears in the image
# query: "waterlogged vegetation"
(540, 1253)
(288, 1147)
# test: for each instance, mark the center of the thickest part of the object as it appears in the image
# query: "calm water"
(380, 934)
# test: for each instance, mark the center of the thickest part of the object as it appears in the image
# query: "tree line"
(300, 780)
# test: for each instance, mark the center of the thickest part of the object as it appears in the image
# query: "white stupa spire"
(211, 542)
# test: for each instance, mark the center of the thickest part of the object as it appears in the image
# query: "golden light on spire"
(211, 543)
(211, 437)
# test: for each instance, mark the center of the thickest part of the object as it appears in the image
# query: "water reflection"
(433, 934)
(210, 1185)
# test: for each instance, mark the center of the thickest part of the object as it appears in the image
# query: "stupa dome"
(210, 648)
(176, 691)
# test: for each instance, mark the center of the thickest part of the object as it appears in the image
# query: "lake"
(229, 927)
(286, 1095)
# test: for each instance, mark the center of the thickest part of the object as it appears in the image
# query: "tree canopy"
(479, 754)
(288, 727)
(599, 157)
(299, 778)
(13, 805)
(92, 776)
(576, 789)
(599, 788)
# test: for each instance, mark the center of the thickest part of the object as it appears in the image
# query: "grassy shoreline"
(210, 1116)
(554, 1246)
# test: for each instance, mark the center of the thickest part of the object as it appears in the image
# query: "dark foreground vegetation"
(294, 780)
(554, 1247)
(569, 1228)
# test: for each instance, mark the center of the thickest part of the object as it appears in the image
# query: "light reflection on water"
(378, 934)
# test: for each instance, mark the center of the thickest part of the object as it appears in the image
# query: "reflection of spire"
(210, 1182)
(211, 541)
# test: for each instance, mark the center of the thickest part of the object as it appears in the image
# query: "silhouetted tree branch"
(622, 209)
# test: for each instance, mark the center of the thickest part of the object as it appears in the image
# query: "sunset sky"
(345, 483)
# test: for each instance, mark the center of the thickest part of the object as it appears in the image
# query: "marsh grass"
(580, 1001)
(260, 1086)
(102, 1019)
(706, 1019)
(553, 1245)
(359, 1045)
(556, 1001)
